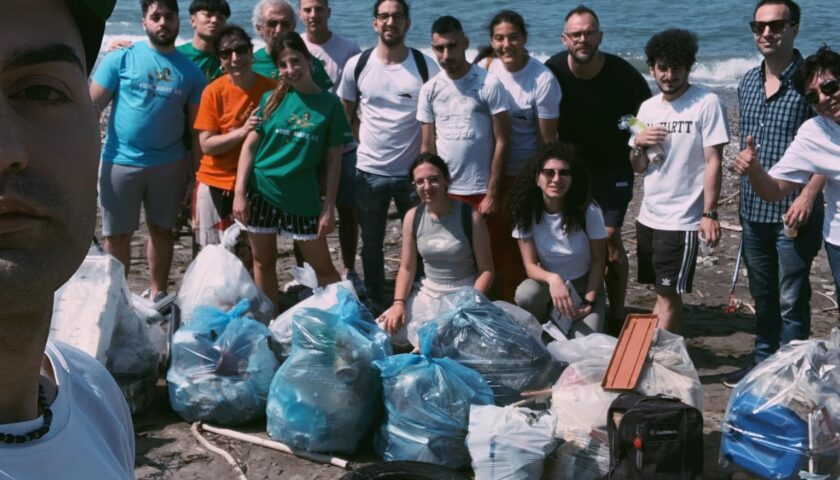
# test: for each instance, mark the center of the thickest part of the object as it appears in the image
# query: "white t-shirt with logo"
(91, 435)
(673, 194)
(462, 111)
(389, 134)
(816, 149)
(566, 254)
(535, 94)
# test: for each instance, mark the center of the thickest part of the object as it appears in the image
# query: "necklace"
(37, 433)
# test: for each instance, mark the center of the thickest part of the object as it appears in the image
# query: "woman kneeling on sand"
(562, 239)
(439, 229)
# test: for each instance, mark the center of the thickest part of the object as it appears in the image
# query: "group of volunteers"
(523, 171)
(500, 152)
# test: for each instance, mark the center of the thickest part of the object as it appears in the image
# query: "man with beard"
(598, 89)
(464, 119)
(270, 19)
(334, 50)
(385, 82)
(61, 413)
(682, 189)
(156, 91)
(206, 18)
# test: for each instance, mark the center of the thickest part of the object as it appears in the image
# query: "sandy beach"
(717, 342)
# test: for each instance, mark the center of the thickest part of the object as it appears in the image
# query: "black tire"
(403, 471)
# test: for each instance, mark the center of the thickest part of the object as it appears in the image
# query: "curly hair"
(525, 204)
(673, 47)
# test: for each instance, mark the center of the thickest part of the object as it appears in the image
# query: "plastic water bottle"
(705, 248)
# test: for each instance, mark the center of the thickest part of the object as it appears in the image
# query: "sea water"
(727, 49)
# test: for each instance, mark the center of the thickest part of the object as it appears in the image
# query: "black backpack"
(658, 438)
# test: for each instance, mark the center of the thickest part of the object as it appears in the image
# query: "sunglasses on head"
(239, 50)
(549, 173)
(828, 88)
(776, 26)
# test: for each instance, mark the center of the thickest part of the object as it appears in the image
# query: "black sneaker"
(732, 379)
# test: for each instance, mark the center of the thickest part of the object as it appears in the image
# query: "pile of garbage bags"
(508, 442)
(327, 395)
(218, 279)
(95, 312)
(481, 336)
(783, 418)
(222, 366)
(427, 403)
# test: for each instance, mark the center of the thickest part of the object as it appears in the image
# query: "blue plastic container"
(771, 443)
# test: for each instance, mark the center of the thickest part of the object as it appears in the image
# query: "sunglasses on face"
(549, 173)
(239, 50)
(776, 26)
(828, 88)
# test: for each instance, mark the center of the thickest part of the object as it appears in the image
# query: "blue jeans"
(833, 253)
(778, 268)
(373, 197)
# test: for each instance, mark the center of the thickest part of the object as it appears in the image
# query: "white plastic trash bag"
(579, 456)
(578, 399)
(593, 346)
(85, 308)
(509, 443)
(322, 298)
(131, 352)
(218, 279)
(670, 371)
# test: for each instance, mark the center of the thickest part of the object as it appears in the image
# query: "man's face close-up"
(391, 23)
(206, 23)
(314, 15)
(671, 79)
(49, 150)
(582, 37)
(276, 20)
(772, 29)
(161, 25)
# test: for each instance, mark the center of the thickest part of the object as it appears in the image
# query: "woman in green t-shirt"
(277, 190)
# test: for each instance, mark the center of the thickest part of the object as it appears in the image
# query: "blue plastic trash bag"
(481, 336)
(427, 401)
(327, 395)
(783, 418)
(221, 367)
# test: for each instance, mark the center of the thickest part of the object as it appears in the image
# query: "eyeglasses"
(239, 50)
(273, 24)
(576, 36)
(828, 88)
(433, 180)
(550, 173)
(396, 17)
(776, 26)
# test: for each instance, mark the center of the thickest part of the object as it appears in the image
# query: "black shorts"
(263, 217)
(667, 259)
(613, 191)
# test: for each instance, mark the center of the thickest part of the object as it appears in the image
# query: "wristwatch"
(712, 214)
(637, 150)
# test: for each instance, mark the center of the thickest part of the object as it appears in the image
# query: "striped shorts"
(667, 259)
(263, 217)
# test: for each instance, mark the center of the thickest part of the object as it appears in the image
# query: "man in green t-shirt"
(271, 18)
(206, 18)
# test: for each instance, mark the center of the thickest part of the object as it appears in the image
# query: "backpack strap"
(466, 221)
(418, 215)
(420, 61)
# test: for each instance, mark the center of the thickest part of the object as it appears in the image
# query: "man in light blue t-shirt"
(156, 91)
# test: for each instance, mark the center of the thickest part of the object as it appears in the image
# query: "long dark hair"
(525, 200)
(286, 40)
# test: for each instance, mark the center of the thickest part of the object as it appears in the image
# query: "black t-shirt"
(591, 108)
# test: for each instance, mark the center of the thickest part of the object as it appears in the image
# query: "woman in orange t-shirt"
(225, 117)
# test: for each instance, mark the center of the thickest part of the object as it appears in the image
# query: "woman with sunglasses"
(562, 239)
(302, 128)
(535, 108)
(225, 117)
(437, 230)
